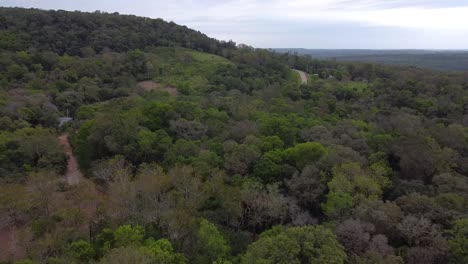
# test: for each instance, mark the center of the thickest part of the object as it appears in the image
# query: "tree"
(279, 126)
(305, 153)
(69, 102)
(317, 134)
(185, 129)
(383, 215)
(354, 235)
(153, 145)
(264, 206)
(294, 246)
(153, 187)
(271, 143)
(351, 178)
(126, 255)
(211, 245)
(162, 252)
(338, 205)
(81, 250)
(127, 235)
(425, 238)
(238, 159)
(156, 115)
(16, 72)
(15, 202)
(423, 158)
(459, 242)
(40, 149)
(307, 186)
(137, 62)
(181, 152)
(269, 167)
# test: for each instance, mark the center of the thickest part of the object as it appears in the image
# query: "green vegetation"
(198, 151)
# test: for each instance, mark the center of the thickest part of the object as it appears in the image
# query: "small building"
(63, 120)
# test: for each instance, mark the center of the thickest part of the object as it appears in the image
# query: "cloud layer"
(301, 23)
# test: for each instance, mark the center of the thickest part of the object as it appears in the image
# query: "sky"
(319, 24)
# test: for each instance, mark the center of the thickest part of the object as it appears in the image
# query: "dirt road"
(73, 174)
(304, 76)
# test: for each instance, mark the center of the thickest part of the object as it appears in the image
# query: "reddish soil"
(9, 248)
(73, 174)
(154, 86)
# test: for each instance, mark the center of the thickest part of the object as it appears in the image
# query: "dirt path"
(304, 76)
(73, 174)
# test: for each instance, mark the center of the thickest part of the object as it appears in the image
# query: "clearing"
(154, 86)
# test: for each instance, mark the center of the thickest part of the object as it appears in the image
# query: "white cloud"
(365, 12)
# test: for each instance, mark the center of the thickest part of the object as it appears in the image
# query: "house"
(63, 120)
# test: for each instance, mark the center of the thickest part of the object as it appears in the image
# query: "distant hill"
(76, 32)
(432, 59)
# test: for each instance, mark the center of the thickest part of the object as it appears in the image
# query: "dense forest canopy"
(192, 150)
(76, 33)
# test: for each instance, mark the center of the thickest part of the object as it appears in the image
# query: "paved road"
(304, 76)
(73, 174)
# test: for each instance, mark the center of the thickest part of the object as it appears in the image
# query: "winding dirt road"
(73, 174)
(304, 76)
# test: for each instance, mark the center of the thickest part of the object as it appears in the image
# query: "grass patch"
(184, 68)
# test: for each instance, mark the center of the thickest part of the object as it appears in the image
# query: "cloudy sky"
(374, 24)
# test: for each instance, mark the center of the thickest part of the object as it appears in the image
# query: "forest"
(194, 150)
(443, 60)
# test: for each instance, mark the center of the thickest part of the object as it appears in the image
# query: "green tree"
(271, 143)
(305, 153)
(182, 152)
(40, 148)
(16, 72)
(211, 245)
(295, 245)
(81, 250)
(269, 167)
(162, 252)
(337, 204)
(459, 242)
(127, 235)
(83, 148)
(351, 178)
(137, 62)
(156, 115)
(153, 145)
(272, 125)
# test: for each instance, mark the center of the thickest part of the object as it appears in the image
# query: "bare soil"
(73, 174)
(154, 86)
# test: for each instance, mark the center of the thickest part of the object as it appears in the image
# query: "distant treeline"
(437, 60)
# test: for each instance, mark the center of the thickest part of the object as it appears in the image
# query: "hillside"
(193, 150)
(76, 33)
(437, 60)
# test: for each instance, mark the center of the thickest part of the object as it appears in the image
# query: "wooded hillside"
(194, 150)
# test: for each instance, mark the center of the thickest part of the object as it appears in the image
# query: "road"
(304, 76)
(73, 174)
